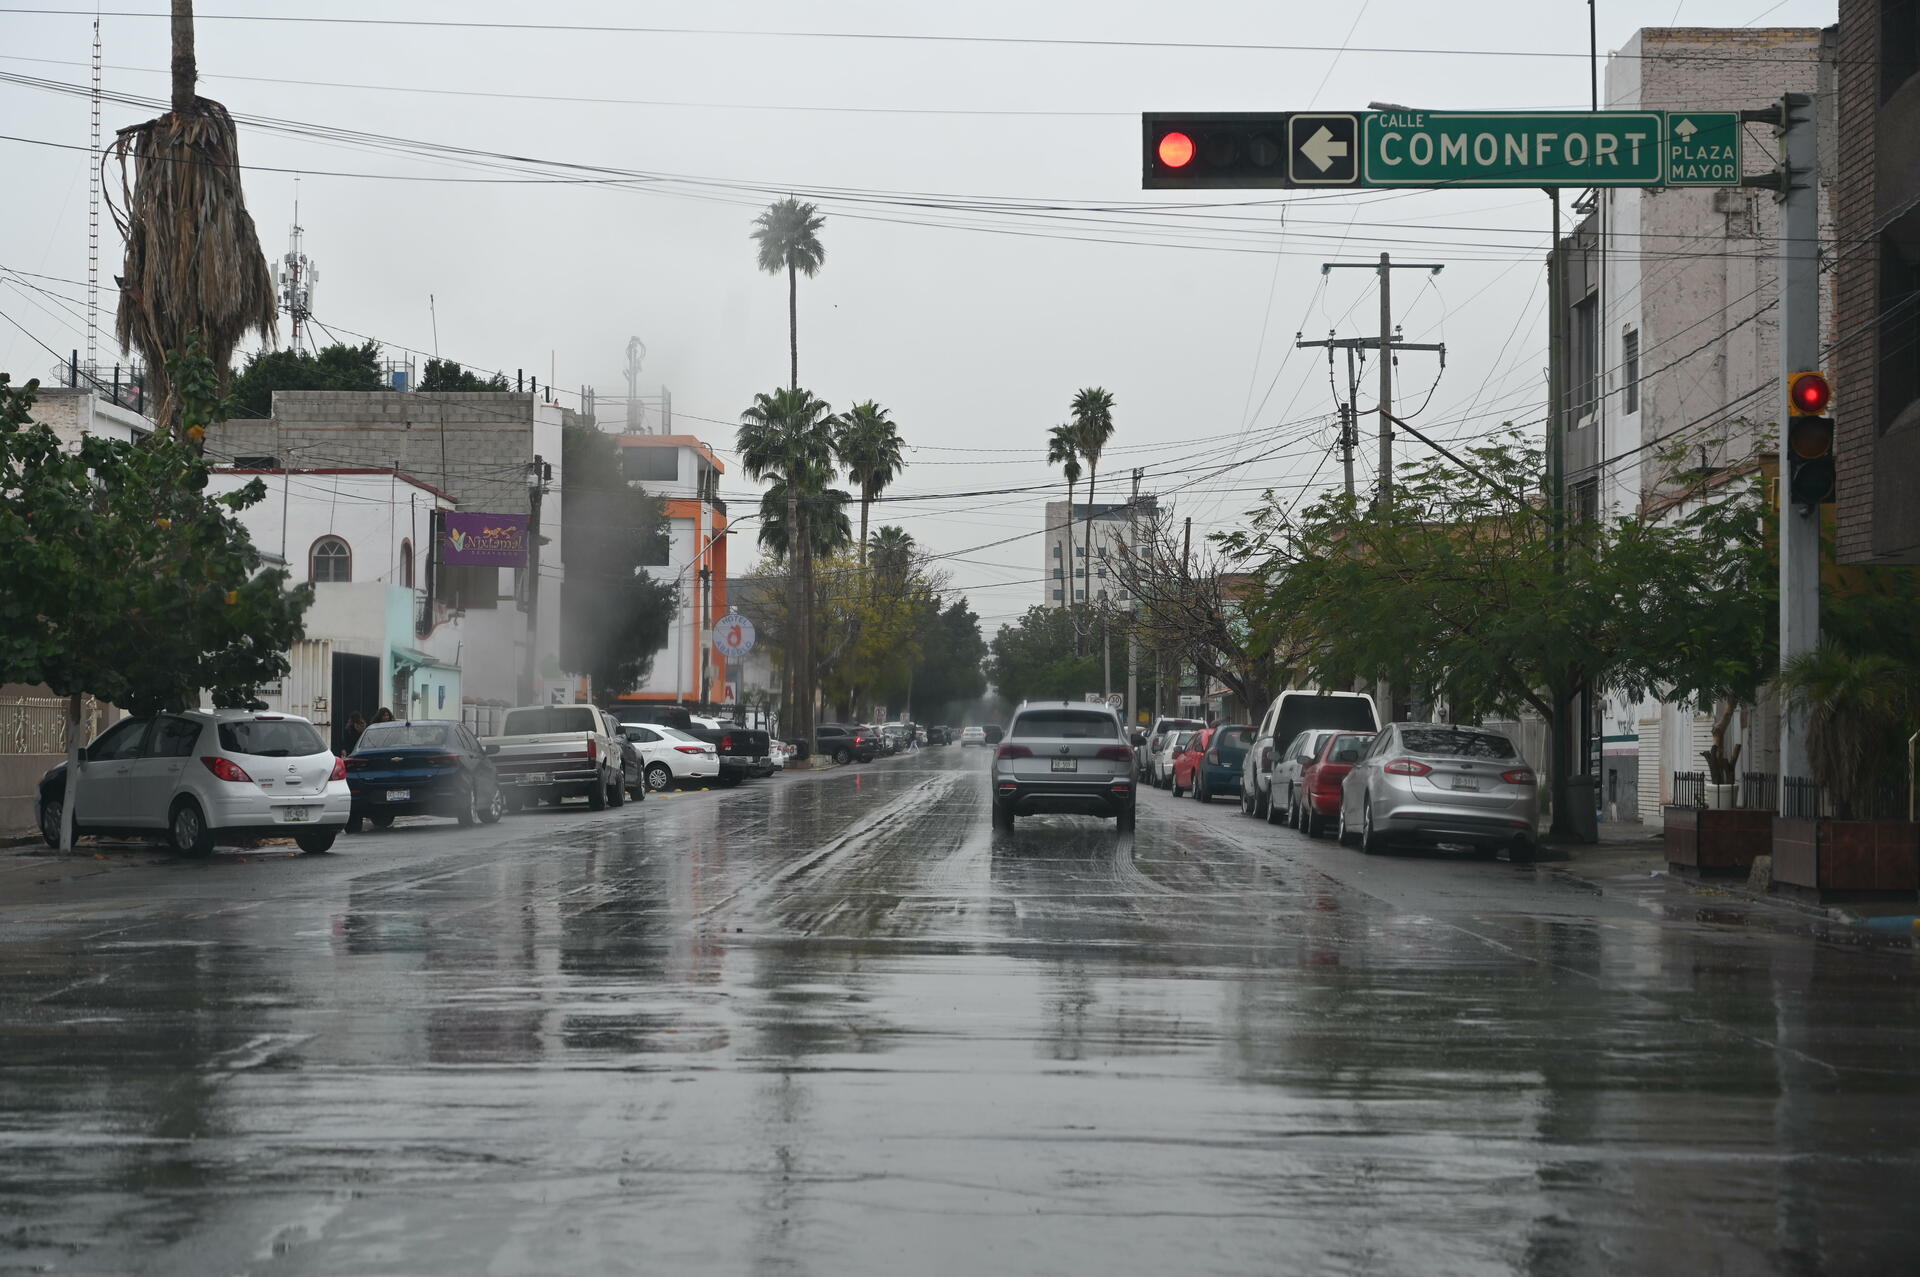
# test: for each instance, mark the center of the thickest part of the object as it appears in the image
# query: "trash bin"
(1583, 806)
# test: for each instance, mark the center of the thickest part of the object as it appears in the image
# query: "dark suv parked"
(844, 743)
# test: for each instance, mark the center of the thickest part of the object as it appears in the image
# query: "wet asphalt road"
(832, 1024)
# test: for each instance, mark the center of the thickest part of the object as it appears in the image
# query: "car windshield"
(403, 736)
(1354, 745)
(1067, 724)
(1177, 741)
(271, 738)
(1235, 736)
(1455, 742)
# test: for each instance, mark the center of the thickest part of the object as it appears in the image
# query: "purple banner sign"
(483, 540)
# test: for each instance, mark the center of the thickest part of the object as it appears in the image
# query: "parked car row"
(204, 777)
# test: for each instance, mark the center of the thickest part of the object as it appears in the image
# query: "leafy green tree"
(121, 579)
(869, 446)
(1035, 658)
(446, 375)
(788, 435)
(788, 233)
(950, 673)
(335, 367)
(615, 617)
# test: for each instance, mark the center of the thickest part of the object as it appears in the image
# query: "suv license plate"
(1066, 764)
(295, 814)
(1466, 782)
(399, 795)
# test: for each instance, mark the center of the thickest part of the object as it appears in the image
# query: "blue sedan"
(421, 768)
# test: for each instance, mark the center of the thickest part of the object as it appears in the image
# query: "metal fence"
(1760, 791)
(1801, 797)
(1689, 789)
(38, 724)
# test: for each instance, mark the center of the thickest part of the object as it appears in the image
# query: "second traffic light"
(1213, 150)
(1809, 439)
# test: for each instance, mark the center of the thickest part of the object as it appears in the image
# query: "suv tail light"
(1013, 751)
(339, 769)
(1407, 767)
(227, 769)
(1519, 776)
(1118, 753)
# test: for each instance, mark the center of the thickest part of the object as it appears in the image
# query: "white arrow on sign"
(1685, 129)
(1322, 149)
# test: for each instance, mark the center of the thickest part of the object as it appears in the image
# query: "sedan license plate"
(294, 815)
(535, 778)
(399, 795)
(1066, 764)
(1466, 782)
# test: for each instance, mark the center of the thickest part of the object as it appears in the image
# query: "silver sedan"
(1435, 783)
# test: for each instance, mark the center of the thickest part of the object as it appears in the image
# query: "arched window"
(406, 563)
(330, 560)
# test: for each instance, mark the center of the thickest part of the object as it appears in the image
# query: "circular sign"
(733, 635)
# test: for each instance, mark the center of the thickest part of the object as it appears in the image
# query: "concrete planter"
(1704, 842)
(1846, 859)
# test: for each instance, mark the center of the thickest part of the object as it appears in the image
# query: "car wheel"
(1309, 821)
(1520, 852)
(1124, 822)
(1003, 816)
(187, 831)
(513, 800)
(1262, 803)
(316, 841)
(843, 755)
(1370, 840)
(597, 794)
(356, 823)
(469, 811)
(1246, 800)
(729, 779)
(496, 807)
(1342, 834)
(383, 820)
(1200, 791)
(1173, 786)
(659, 776)
(616, 791)
(50, 813)
(1276, 814)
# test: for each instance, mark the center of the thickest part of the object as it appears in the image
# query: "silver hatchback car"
(1434, 783)
(1063, 756)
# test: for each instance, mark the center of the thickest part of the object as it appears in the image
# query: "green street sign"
(1513, 148)
(1703, 148)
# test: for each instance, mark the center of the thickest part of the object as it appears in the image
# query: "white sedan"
(669, 756)
(973, 735)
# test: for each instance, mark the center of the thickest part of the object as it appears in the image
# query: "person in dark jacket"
(351, 735)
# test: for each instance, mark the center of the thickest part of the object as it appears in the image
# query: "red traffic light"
(1809, 394)
(1176, 150)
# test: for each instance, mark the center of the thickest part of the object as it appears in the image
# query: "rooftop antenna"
(297, 278)
(93, 218)
(433, 314)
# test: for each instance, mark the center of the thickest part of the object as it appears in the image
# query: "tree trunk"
(184, 72)
(73, 772)
(866, 502)
(808, 672)
(793, 324)
(796, 632)
(1093, 475)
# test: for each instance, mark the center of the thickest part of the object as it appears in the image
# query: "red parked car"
(1318, 807)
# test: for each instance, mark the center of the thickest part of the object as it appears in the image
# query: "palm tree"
(869, 446)
(789, 235)
(828, 528)
(193, 263)
(788, 435)
(1063, 450)
(1860, 710)
(893, 550)
(1092, 427)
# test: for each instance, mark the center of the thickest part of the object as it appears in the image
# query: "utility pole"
(1186, 582)
(1133, 629)
(538, 473)
(1799, 267)
(1385, 269)
(1349, 411)
(1559, 766)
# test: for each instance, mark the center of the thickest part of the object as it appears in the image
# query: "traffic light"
(1809, 438)
(1213, 149)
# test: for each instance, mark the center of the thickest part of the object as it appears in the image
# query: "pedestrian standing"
(351, 736)
(384, 715)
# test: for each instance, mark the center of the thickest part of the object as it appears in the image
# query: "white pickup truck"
(551, 752)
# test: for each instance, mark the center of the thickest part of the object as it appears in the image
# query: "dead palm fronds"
(194, 263)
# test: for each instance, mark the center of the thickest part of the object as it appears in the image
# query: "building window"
(1058, 573)
(1079, 571)
(1080, 551)
(406, 563)
(1079, 594)
(330, 560)
(1056, 596)
(1101, 573)
(654, 465)
(1585, 500)
(1899, 371)
(1899, 47)
(1630, 371)
(1056, 551)
(1586, 346)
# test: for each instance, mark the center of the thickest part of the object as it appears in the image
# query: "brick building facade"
(1875, 360)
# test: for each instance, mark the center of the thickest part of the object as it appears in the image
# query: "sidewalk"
(1633, 856)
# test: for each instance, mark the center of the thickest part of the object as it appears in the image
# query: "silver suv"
(1063, 756)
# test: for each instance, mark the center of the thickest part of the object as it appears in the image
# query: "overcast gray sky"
(974, 325)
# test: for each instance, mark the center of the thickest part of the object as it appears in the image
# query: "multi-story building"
(1079, 559)
(683, 472)
(1876, 348)
(1670, 353)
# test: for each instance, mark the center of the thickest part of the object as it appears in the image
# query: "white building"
(75, 414)
(1079, 560)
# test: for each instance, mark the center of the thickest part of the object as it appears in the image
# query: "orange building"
(683, 472)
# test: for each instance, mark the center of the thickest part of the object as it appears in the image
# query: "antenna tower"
(93, 218)
(297, 278)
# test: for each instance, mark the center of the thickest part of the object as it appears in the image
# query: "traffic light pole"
(1799, 267)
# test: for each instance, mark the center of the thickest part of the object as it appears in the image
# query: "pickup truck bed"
(567, 754)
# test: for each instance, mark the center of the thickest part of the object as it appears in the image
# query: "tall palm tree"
(869, 446)
(789, 235)
(1063, 450)
(1092, 427)
(828, 528)
(193, 264)
(893, 550)
(788, 435)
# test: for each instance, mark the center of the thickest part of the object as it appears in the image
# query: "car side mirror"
(1137, 737)
(489, 748)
